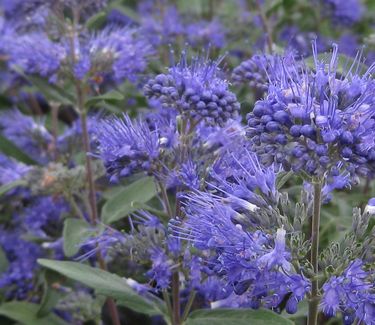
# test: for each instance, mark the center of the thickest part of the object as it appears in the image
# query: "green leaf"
(107, 284)
(111, 96)
(51, 296)
(26, 313)
(49, 90)
(128, 199)
(282, 178)
(7, 187)
(10, 149)
(74, 233)
(3, 261)
(236, 317)
(96, 21)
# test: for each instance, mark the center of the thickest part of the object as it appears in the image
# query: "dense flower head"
(239, 174)
(43, 217)
(115, 52)
(22, 257)
(27, 134)
(203, 32)
(351, 293)
(160, 26)
(196, 90)
(314, 120)
(35, 53)
(11, 170)
(35, 14)
(253, 72)
(253, 263)
(345, 12)
(126, 146)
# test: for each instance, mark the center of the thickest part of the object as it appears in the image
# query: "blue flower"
(351, 294)
(196, 90)
(345, 12)
(126, 146)
(206, 32)
(118, 53)
(35, 53)
(31, 137)
(316, 120)
(22, 257)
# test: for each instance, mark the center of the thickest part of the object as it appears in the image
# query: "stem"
(266, 25)
(314, 299)
(188, 305)
(55, 126)
(89, 173)
(176, 297)
(168, 303)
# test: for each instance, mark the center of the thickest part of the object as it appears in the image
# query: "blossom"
(22, 257)
(351, 294)
(248, 261)
(203, 32)
(316, 120)
(253, 72)
(35, 53)
(27, 134)
(345, 12)
(118, 53)
(196, 90)
(126, 146)
(160, 26)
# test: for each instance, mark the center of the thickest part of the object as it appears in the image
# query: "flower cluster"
(196, 90)
(253, 263)
(117, 53)
(345, 12)
(253, 72)
(316, 120)
(126, 147)
(351, 293)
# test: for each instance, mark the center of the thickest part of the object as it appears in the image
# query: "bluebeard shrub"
(214, 189)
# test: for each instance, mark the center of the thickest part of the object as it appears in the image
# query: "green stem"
(188, 305)
(266, 25)
(314, 299)
(176, 298)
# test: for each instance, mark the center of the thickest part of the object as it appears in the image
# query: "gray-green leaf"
(26, 314)
(74, 233)
(235, 317)
(107, 284)
(127, 200)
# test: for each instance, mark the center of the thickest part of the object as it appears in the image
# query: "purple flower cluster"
(196, 90)
(35, 53)
(253, 263)
(21, 256)
(351, 293)
(315, 120)
(117, 53)
(345, 12)
(166, 26)
(30, 136)
(254, 72)
(126, 146)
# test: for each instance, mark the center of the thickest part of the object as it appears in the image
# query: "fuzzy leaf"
(105, 283)
(74, 233)
(236, 317)
(127, 200)
(10, 149)
(26, 314)
(7, 187)
(111, 96)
